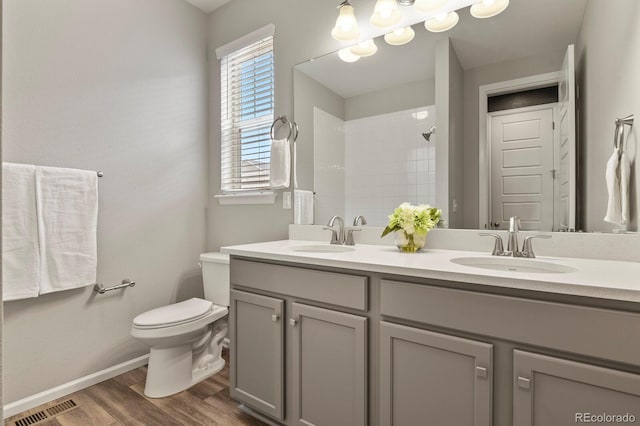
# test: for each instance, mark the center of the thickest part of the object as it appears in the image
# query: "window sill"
(247, 198)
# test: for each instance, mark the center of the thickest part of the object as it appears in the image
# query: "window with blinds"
(247, 93)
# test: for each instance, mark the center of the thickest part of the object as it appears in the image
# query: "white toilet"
(186, 338)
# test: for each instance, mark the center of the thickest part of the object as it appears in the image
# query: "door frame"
(484, 139)
(555, 113)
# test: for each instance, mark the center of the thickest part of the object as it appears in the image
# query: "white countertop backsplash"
(583, 245)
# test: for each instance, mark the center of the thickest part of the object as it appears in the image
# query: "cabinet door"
(329, 367)
(257, 369)
(429, 378)
(554, 391)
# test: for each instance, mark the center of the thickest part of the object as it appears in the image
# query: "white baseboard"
(48, 395)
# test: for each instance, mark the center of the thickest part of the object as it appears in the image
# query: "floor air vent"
(61, 408)
(40, 416)
(32, 419)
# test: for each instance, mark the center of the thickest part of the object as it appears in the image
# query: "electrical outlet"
(455, 206)
(286, 200)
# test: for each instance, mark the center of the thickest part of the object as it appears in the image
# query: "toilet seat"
(176, 314)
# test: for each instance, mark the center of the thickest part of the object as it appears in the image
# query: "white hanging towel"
(625, 174)
(303, 207)
(295, 166)
(20, 253)
(614, 205)
(67, 202)
(280, 164)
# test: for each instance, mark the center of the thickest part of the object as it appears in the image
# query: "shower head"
(427, 135)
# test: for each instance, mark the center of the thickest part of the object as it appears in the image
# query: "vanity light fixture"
(442, 22)
(488, 8)
(347, 56)
(385, 14)
(346, 28)
(364, 48)
(429, 6)
(400, 36)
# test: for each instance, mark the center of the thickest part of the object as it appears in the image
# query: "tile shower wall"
(328, 171)
(388, 162)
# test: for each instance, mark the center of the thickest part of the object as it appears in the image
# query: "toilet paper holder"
(100, 289)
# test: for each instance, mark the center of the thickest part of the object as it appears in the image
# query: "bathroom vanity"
(376, 337)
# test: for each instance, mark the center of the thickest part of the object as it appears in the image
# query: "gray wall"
(449, 133)
(1, 304)
(473, 79)
(296, 40)
(456, 140)
(118, 86)
(310, 93)
(609, 87)
(410, 95)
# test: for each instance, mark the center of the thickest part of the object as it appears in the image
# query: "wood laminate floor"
(120, 401)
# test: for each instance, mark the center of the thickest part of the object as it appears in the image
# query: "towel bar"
(618, 135)
(99, 288)
(293, 128)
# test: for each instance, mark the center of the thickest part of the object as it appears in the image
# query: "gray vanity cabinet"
(319, 347)
(329, 367)
(559, 392)
(257, 361)
(433, 378)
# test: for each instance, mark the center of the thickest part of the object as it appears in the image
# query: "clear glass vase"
(410, 243)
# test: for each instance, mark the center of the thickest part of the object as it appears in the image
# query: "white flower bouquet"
(411, 225)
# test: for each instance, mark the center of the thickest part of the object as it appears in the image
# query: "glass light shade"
(385, 14)
(429, 6)
(488, 8)
(400, 36)
(364, 48)
(347, 56)
(442, 22)
(346, 28)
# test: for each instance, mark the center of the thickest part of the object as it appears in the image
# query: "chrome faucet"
(349, 237)
(512, 242)
(359, 219)
(336, 237)
(527, 248)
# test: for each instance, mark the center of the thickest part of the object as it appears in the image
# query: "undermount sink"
(323, 248)
(510, 264)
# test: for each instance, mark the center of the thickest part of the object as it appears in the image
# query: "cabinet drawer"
(328, 287)
(571, 328)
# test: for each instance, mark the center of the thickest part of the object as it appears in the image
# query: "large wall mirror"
(492, 119)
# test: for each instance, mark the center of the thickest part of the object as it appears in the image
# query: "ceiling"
(208, 5)
(526, 28)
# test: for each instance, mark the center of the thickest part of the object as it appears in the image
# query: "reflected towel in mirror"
(280, 164)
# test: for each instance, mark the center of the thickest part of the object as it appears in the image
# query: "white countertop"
(607, 279)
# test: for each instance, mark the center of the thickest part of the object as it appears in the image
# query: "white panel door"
(566, 194)
(522, 169)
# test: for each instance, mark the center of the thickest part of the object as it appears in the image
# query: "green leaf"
(387, 231)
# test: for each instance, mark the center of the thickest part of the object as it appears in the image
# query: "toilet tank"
(215, 277)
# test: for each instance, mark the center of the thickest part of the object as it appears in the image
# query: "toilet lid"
(178, 313)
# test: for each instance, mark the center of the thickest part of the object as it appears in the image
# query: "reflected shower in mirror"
(524, 105)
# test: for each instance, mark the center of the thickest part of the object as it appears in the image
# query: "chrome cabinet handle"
(275, 317)
(293, 322)
(482, 372)
(524, 383)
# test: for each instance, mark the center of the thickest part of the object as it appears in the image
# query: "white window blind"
(247, 95)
